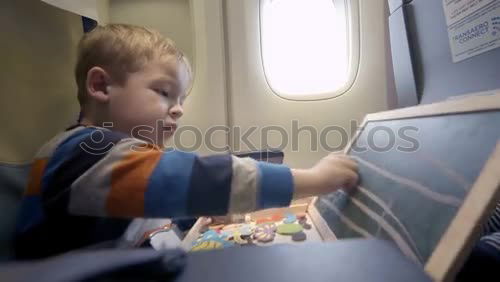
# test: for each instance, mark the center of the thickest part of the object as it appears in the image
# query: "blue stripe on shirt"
(167, 192)
(30, 213)
(210, 187)
(62, 153)
(276, 186)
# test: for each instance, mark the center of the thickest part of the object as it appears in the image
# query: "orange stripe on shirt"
(35, 179)
(129, 181)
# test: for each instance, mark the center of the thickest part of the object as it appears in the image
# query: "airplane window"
(305, 47)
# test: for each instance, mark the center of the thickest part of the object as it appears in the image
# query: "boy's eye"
(162, 92)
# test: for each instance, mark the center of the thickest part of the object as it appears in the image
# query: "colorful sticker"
(206, 246)
(300, 236)
(289, 229)
(290, 218)
(265, 233)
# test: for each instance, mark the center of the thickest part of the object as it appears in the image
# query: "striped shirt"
(88, 183)
(491, 231)
(484, 259)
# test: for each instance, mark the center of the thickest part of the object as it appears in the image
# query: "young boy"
(88, 182)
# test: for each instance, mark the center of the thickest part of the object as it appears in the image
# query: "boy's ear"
(98, 82)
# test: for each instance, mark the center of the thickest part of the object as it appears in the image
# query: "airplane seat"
(38, 94)
(13, 179)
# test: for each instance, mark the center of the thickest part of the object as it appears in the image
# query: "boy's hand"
(331, 173)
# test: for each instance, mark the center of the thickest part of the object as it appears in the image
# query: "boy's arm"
(134, 179)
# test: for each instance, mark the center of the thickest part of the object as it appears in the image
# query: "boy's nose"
(176, 111)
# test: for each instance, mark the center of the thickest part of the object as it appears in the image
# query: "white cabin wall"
(102, 7)
(170, 17)
(252, 102)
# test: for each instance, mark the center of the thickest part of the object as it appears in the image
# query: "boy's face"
(148, 105)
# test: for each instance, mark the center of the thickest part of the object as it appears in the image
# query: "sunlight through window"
(304, 47)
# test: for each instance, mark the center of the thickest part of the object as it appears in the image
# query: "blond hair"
(121, 49)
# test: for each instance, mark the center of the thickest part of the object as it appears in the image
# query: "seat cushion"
(13, 179)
